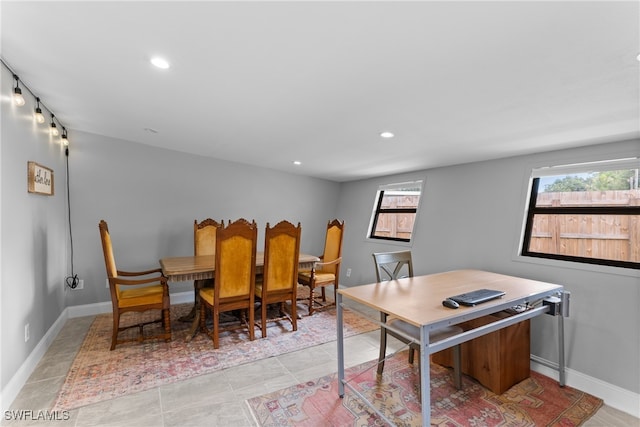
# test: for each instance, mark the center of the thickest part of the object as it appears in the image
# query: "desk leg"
(561, 362)
(425, 377)
(340, 337)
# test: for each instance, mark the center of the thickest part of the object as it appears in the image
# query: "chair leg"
(383, 350)
(116, 325)
(294, 314)
(412, 352)
(216, 327)
(310, 300)
(166, 319)
(251, 325)
(263, 317)
(457, 368)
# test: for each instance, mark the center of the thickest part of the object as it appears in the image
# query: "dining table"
(202, 267)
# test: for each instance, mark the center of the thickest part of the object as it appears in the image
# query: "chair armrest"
(122, 281)
(323, 264)
(139, 273)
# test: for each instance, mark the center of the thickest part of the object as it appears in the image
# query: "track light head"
(17, 93)
(65, 140)
(54, 128)
(38, 110)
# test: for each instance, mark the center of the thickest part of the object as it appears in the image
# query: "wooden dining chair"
(235, 272)
(326, 272)
(204, 243)
(135, 291)
(392, 266)
(279, 281)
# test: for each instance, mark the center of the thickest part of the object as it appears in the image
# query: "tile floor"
(210, 400)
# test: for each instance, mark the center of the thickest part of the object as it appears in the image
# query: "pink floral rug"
(99, 374)
(536, 401)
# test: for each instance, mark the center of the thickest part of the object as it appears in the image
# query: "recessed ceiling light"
(297, 162)
(387, 134)
(160, 62)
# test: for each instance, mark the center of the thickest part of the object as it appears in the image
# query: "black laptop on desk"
(478, 296)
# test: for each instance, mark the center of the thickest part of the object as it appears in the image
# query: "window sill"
(388, 242)
(620, 271)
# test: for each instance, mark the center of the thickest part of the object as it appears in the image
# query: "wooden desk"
(187, 268)
(418, 300)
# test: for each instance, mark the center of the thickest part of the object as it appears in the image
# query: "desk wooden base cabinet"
(497, 360)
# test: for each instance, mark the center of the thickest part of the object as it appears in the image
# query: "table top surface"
(418, 299)
(178, 266)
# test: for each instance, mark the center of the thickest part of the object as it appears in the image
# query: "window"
(394, 211)
(587, 212)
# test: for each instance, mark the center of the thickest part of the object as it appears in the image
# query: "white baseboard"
(614, 396)
(15, 384)
(19, 379)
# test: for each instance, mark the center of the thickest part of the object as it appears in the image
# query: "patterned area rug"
(536, 401)
(98, 374)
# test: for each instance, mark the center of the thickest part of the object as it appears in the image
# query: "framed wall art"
(39, 179)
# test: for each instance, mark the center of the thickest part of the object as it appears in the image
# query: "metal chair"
(392, 266)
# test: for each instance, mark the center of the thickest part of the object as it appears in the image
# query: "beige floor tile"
(211, 388)
(228, 414)
(140, 407)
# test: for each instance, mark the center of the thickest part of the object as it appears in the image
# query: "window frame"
(532, 210)
(377, 210)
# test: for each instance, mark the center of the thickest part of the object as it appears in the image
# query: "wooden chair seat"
(141, 296)
(320, 277)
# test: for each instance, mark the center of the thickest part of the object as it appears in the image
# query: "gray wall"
(150, 198)
(33, 230)
(471, 217)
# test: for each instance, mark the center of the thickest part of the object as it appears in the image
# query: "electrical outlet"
(80, 285)
(348, 272)
(27, 332)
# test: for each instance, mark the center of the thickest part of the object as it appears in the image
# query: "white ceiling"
(266, 83)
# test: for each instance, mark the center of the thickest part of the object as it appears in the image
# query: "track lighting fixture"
(39, 115)
(17, 93)
(19, 100)
(54, 128)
